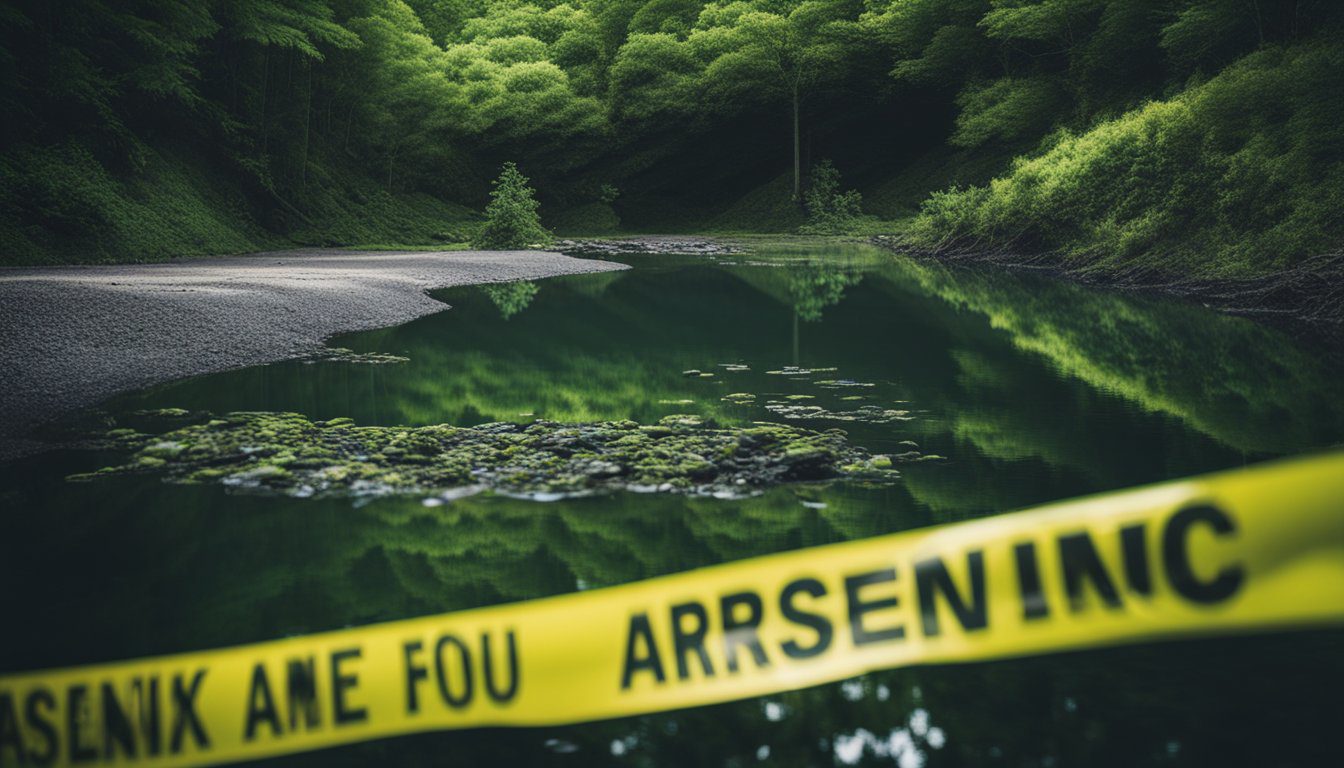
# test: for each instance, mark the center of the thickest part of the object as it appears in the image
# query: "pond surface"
(1029, 390)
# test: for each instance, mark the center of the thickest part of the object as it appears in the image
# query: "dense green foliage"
(1207, 131)
(829, 210)
(1233, 177)
(511, 218)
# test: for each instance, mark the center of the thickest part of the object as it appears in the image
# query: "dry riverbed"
(73, 336)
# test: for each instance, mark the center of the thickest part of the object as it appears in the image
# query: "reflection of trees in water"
(1149, 389)
(815, 285)
(511, 298)
(1245, 385)
(240, 568)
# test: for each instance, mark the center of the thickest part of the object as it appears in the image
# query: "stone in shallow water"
(286, 453)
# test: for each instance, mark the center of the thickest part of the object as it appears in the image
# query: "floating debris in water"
(676, 402)
(800, 397)
(691, 372)
(842, 383)
(870, 414)
(343, 355)
(793, 370)
(739, 398)
(286, 453)
(911, 457)
(734, 367)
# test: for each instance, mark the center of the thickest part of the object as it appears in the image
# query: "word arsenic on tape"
(1256, 549)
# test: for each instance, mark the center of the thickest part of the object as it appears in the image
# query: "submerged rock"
(287, 453)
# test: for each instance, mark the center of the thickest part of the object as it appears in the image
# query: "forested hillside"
(1202, 135)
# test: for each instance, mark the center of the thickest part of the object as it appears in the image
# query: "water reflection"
(511, 298)
(1032, 390)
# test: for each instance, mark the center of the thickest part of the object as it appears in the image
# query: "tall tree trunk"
(307, 127)
(797, 159)
(265, 85)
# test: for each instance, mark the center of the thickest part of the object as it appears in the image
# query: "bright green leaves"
(528, 74)
(305, 26)
(1217, 178)
(511, 218)
(830, 210)
(1006, 110)
(653, 75)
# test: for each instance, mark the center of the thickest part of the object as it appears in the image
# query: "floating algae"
(286, 453)
(870, 414)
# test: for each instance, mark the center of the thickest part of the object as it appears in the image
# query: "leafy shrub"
(511, 218)
(830, 211)
(1238, 176)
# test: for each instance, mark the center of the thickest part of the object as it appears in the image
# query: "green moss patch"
(289, 454)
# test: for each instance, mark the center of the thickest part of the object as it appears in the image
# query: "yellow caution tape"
(1256, 549)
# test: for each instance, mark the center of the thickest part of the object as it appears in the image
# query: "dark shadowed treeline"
(142, 129)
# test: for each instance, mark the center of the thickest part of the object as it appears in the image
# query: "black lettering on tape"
(343, 683)
(1081, 563)
(742, 632)
(414, 674)
(301, 692)
(39, 699)
(859, 607)
(441, 668)
(77, 717)
(11, 736)
(260, 705)
(507, 694)
(1176, 556)
(116, 725)
(686, 641)
(1034, 605)
(817, 622)
(640, 632)
(932, 579)
(184, 713)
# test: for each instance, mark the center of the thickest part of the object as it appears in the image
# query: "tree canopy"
(685, 100)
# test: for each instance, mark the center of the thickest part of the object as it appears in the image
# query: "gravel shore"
(73, 336)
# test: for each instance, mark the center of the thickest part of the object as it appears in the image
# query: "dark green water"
(1031, 389)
